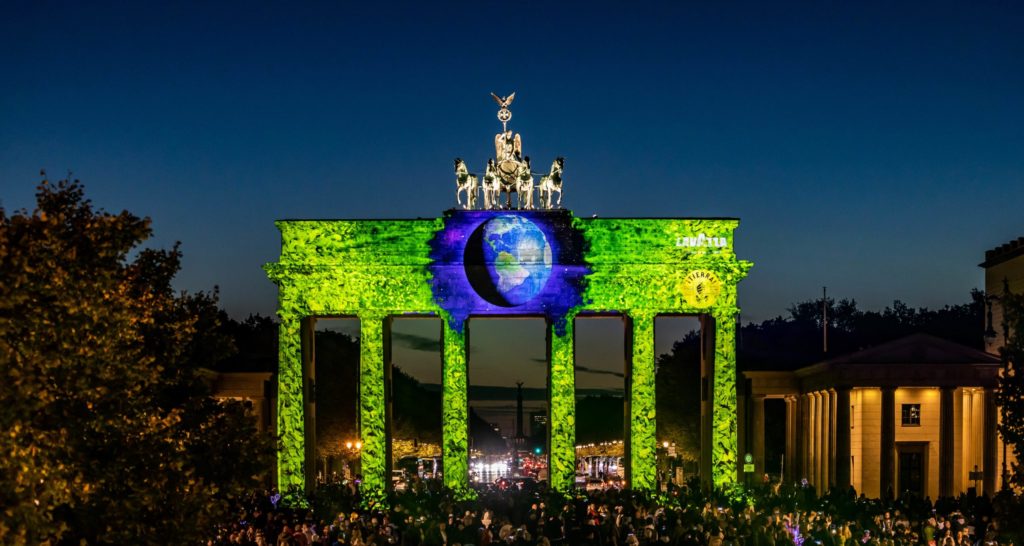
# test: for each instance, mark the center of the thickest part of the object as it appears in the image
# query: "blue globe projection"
(513, 260)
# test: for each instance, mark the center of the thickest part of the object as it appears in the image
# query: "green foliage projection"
(724, 456)
(372, 424)
(562, 459)
(364, 269)
(290, 420)
(455, 407)
(373, 269)
(639, 269)
(642, 440)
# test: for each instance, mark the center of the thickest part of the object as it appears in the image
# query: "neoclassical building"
(1004, 271)
(916, 414)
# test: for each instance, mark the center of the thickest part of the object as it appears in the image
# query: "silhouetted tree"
(599, 418)
(109, 433)
(677, 396)
(256, 341)
(337, 392)
(1010, 396)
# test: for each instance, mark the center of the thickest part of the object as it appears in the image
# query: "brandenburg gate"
(493, 259)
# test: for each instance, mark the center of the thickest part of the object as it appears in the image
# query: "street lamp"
(352, 453)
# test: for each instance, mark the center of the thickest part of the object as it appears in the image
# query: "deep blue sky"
(877, 148)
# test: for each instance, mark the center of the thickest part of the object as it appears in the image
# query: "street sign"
(748, 467)
(748, 458)
(976, 475)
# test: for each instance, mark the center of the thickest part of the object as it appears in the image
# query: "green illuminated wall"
(642, 440)
(373, 269)
(455, 407)
(562, 428)
(372, 429)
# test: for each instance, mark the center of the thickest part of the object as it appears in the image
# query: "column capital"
(724, 312)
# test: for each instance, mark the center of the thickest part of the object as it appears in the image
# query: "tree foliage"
(677, 380)
(794, 341)
(109, 433)
(1010, 396)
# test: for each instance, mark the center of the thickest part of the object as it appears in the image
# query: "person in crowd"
(773, 515)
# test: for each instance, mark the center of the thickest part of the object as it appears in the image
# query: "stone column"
(946, 442)
(707, 377)
(842, 438)
(757, 438)
(455, 410)
(805, 436)
(990, 453)
(791, 465)
(813, 444)
(562, 423)
(290, 407)
(820, 452)
(830, 438)
(308, 339)
(643, 443)
(373, 428)
(724, 456)
(887, 454)
(743, 429)
(389, 395)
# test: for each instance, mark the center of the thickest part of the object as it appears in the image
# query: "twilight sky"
(877, 148)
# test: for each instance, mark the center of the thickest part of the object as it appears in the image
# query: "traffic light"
(537, 450)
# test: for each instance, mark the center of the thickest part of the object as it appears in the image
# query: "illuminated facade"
(1004, 272)
(477, 263)
(917, 414)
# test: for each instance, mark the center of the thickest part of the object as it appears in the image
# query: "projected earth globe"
(516, 258)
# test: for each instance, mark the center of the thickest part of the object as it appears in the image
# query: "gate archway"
(505, 263)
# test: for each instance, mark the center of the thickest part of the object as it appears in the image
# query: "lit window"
(911, 415)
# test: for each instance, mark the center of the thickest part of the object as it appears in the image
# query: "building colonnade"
(916, 414)
(816, 449)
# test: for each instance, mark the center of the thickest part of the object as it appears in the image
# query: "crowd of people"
(772, 516)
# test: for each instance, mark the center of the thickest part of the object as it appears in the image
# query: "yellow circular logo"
(701, 288)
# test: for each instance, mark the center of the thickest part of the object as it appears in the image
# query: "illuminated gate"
(456, 267)
(505, 263)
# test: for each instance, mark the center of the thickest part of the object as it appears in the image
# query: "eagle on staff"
(504, 102)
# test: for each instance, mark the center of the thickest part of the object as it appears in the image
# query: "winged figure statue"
(508, 147)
